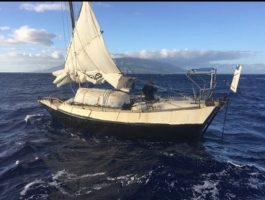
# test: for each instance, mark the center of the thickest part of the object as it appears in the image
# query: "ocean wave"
(71, 176)
(33, 150)
(226, 183)
(19, 106)
(18, 151)
(208, 188)
(57, 182)
(29, 185)
(129, 179)
(61, 180)
(30, 117)
(261, 169)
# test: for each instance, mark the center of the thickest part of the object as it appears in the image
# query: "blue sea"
(42, 160)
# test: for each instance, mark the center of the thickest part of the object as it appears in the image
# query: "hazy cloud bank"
(42, 7)
(185, 56)
(224, 61)
(26, 62)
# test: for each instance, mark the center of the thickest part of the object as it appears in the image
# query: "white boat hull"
(180, 123)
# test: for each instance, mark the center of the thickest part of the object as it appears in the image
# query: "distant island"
(130, 65)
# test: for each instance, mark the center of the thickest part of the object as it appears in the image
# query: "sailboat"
(117, 112)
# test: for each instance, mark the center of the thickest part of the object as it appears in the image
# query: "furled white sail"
(101, 97)
(236, 78)
(88, 59)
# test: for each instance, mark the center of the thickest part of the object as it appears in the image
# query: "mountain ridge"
(130, 65)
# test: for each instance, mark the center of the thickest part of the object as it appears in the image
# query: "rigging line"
(108, 55)
(77, 34)
(97, 36)
(83, 48)
(227, 104)
(93, 17)
(63, 25)
(72, 88)
(75, 64)
(75, 59)
(74, 50)
(68, 55)
(88, 75)
(69, 35)
(67, 25)
(103, 42)
(227, 100)
(88, 43)
(64, 31)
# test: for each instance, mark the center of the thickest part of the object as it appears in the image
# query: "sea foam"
(29, 117)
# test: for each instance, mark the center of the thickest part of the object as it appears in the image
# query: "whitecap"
(234, 164)
(83, 190)
(208, 187)
(254, 183)
(29, 117)
(72, 176)
(91, 175)
(248, 165)
(168, 154)
(129, 179)
(100, 186)
(56, 184)
(20, 143)
(65, 176)
(27, 187)
(58, 174)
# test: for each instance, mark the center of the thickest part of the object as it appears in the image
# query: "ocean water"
(41, 160)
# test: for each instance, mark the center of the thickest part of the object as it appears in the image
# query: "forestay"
(88, 59)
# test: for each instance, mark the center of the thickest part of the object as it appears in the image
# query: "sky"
(35, 35)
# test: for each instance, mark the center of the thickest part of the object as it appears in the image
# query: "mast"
(72, 14)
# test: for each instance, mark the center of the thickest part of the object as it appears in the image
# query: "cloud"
(183, 54)
(4, 28)
(56, 55)
(13, 61)
(185, 57)
(41, 7)
(27, 35)
(26, 62)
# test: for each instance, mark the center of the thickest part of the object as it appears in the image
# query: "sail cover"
(88, 59)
